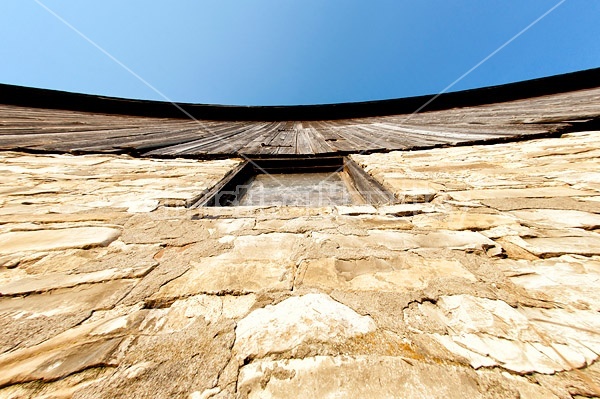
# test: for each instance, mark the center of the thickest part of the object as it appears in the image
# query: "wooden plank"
(220, 135)
(333, 138)
(318, 143)
(371, 190)
(209, 197)
(259, 141)
(303, 141)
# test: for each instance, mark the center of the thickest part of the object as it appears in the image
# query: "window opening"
(308, 182)
(297, 189)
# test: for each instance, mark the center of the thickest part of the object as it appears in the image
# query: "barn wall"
(481, 282)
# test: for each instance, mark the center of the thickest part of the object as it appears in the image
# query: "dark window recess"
(310, 182)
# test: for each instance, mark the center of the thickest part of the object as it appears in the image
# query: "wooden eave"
(39, 120)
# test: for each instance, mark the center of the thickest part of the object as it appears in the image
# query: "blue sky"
(280, 52)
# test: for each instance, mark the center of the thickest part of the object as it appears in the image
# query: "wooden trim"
(356, 196)
(371, 190)
(234, 178)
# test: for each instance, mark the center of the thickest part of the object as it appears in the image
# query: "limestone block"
(569, 281)
(379, 243)
(255, 263)
(381, 222)
(214, 308)
(396, 274)
(491, 333)
(546, 247)
(49, 281)
(363, 245)
(146, 229)
(412, 190)
(105, 215)
(436, 239)
(455, 240)
(147, 205)
(184, 313)
(272, 246)
(583, 177)
(77, 358)
(462, 221)
(177, 229)
(538, 192)
(559, 218)
(48, 240)
(130, 260)
(29, 320)
(64, 354)
(301, 224)
(296, 321)
(223, 274)
(585, 204)
(64, 301)
(509, 230)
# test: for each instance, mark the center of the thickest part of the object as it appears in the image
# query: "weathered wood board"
(31, 128)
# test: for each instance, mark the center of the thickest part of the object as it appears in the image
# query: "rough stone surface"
(492, 333)
(377, 377)
(295, 321)
(482, 282)
(567, 281)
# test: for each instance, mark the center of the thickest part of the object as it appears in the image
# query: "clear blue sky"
(268, 52)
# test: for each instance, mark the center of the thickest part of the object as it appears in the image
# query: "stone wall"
(482, 283)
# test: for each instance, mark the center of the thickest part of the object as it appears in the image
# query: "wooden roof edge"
(54, 99)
